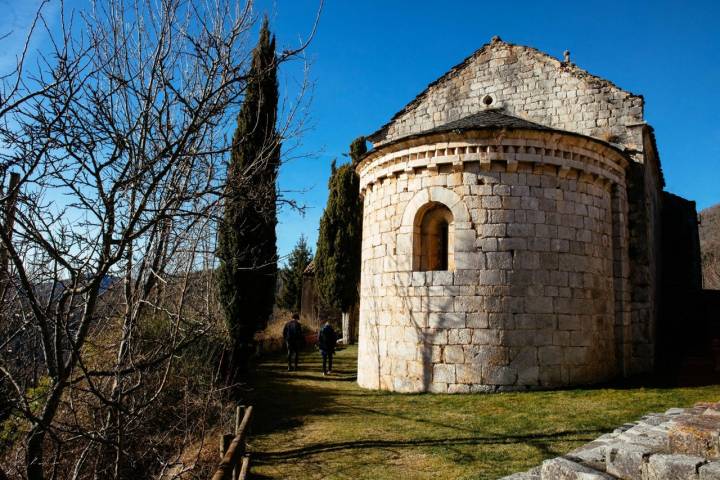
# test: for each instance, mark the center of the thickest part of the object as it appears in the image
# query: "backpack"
(327, 338)
(293, 333)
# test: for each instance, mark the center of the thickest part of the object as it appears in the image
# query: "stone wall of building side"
(644, 186)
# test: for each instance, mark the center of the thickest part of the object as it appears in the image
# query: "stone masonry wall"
(643, 247)
(680, 444)
(531, 301)
(529, 84)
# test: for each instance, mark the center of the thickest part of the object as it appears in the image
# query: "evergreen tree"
(337, 259)
(292, 276)
(246, 241)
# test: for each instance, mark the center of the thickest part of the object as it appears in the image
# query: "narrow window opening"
(433, 239)
(442, 259)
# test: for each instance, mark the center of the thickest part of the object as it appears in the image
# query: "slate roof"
(491, 118)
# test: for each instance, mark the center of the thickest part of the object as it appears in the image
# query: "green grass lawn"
(308, 426)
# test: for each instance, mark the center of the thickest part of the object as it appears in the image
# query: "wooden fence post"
(245, 468)
(225, 440)
(239, 414)
(232, 463)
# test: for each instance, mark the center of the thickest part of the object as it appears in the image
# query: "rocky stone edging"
(680, 444)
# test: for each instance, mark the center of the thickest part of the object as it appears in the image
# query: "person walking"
(293, 336)
(326, 341)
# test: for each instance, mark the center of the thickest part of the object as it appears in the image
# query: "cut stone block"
(564, 469)
(652, 437)
(696, 435)
(592, 455)
(710, 471)
(532, 474)
(626, 460)
(672, 467)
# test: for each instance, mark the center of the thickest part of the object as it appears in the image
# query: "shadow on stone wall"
(689, 338)
(688, 346)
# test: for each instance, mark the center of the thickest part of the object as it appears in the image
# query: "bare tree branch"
(120, 136)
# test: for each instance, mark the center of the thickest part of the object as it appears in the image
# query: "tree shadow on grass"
(678, 376)
(538, 440)
(412, 418)
(284, 399)
(333, 378)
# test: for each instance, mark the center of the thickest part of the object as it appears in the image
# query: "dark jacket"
(293, 334)
(327, 339)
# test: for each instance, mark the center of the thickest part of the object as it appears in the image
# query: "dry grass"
(275, 325)
(311, 427)
(710, 246)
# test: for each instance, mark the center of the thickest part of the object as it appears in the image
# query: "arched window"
(433, 238)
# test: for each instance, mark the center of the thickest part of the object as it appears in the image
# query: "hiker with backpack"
(326, 341)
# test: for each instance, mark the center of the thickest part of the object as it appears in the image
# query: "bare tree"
(711, 272)
(120, 136)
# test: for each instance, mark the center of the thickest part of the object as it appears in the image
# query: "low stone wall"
(680, 444)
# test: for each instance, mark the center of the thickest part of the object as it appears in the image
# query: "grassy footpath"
(312, 427)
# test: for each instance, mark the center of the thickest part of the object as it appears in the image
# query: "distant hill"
(710, 246)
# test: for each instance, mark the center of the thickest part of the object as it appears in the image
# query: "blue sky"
(370, 57)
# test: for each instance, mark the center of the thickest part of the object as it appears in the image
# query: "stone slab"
(672, 467)
(626, 461)
(710, 471)
(564, 469)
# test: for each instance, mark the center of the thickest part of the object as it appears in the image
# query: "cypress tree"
(292, 276)
(337, 259)
(246, 240)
